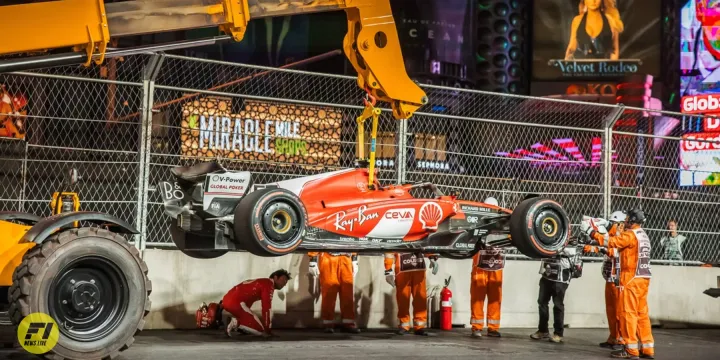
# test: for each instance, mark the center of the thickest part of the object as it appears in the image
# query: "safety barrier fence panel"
(124, 125)
(669, 175)
(71, 122)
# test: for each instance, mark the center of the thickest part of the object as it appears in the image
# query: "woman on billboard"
(595, 33)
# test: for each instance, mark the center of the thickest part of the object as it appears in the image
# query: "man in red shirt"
(241, 297)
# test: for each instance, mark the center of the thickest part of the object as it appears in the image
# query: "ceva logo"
(400, 214)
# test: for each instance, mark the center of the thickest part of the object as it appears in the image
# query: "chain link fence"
(124, 125)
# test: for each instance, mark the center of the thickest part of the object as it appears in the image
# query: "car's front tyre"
(539, 227)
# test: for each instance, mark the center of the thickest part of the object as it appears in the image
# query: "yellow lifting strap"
(370, 111)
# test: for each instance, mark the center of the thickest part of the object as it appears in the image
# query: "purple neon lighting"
(543, 155)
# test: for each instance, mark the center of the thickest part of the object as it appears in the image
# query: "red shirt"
(250, 291)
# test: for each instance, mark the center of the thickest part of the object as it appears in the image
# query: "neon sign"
(540, 154)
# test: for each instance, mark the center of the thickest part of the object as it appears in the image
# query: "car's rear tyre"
(270, 222)
(539, 227)
(92, 283)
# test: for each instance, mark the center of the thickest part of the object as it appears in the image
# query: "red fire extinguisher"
(446, 307)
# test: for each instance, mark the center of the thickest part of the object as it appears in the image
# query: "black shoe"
(645, 356)
(329, 330)
(493, 333)
(423, 332)
(617, 347)
(606, 345)
(402, 332)
(351, 330)
(623, 354)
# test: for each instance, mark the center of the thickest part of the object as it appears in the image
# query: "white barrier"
(181, 284)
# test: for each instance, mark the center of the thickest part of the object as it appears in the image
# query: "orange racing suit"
(486, 280)
(635, 273)
(409, 280)
(336, 276)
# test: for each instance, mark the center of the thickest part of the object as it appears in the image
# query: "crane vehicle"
(76, 267)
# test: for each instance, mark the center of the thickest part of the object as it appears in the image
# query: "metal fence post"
(401, 150)
(24, 179)
(607, 176)
(150, 72)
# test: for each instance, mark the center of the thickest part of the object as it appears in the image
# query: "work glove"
(603, 250)
(355, 269)
(585, 225)
(390, 277)
(434, 266)
(314, 269)
(588, 225)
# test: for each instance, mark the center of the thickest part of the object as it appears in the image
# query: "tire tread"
(33, 260)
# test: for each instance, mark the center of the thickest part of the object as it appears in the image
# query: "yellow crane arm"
(371, 44)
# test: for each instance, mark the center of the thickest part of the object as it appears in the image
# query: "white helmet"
(491, 201)
(617, 217)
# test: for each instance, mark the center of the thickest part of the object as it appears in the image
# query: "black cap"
(636, 216)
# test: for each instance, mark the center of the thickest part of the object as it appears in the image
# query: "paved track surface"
(383, 344)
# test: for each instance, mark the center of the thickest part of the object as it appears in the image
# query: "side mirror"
(72, 176)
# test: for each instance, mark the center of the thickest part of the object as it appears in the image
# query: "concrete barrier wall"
(181, 284)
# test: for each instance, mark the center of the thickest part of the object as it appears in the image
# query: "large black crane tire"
(93, 283)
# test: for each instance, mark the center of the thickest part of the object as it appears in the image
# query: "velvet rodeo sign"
(261, 131)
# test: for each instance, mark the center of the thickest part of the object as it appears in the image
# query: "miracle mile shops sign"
(261, 131)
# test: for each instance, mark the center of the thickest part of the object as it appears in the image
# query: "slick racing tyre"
(92, 283)
(539, 227)
(270, 222)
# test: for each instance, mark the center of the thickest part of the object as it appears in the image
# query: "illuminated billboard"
(595, 39)
(700, 47)
(699, 160)
(268, 132)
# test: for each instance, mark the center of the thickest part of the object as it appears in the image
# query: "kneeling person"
(241, 297)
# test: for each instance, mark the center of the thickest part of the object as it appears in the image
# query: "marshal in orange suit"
(337, 276)
(408, 277)
(486, 281)
(635, 273)
(610, 272)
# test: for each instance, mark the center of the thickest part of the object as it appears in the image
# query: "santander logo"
(701, 104)
(430, 215)
(697, 141)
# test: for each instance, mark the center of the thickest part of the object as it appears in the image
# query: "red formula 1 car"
(215, 211)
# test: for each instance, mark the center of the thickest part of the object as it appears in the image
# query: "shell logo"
(430, 215)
